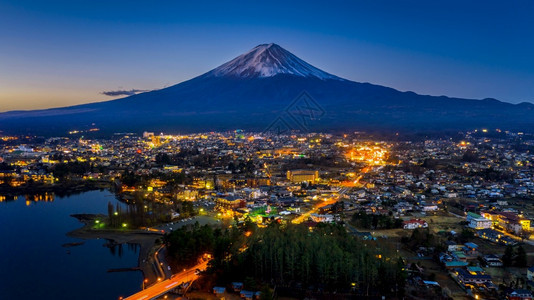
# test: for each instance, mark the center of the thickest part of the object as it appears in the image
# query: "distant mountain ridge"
(261, 86)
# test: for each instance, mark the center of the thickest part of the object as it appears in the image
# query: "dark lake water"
(34, 265)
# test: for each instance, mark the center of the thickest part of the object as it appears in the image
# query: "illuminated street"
(167, 285)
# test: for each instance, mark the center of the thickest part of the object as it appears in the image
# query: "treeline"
(63, 170)
(517, 258)
(187, 244)
(423, 237)
(327, 258)
(138, 213)
(492, 174)
(363, 220)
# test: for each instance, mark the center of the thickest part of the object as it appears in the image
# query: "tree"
(521, 257)
(266, 294)
(466, 235)
(508, 256)
(110, 214)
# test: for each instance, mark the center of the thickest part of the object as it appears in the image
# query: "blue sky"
(57, 53)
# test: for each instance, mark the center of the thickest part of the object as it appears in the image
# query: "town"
(455, 212)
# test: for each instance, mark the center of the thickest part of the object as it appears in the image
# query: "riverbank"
(148, 262)
(59, 189)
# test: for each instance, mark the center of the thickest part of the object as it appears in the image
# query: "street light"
(145, 282)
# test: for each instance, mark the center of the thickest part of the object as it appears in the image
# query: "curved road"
(165, 286)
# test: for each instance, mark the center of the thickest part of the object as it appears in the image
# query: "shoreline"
(60, 189)
(146, 261)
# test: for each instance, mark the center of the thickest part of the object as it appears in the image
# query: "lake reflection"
(38, 260)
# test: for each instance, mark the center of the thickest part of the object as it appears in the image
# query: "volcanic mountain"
(269, 88)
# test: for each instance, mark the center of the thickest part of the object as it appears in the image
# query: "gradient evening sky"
(58, 53)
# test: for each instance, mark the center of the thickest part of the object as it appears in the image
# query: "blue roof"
(471, 245)
(247, 294)
(219, 289)
(456, 263)
(468, 275)
(475, 269)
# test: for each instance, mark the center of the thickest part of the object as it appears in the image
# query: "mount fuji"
(268, 60)
(269, 87)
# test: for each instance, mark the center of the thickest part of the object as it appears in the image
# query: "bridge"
(167, 285)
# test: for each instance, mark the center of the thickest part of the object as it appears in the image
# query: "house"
(455, 264)
(429, 207)
(492, 260)
(237, 286)
(248, 295)
(453, 246)
(298, 176)
(415, 223)
(530, 273)
(495, 236)
(366, 236)
(230, 202)
(508, 221)
(322, 218)
(476, 221)
(519, 294)
(473, 277)
(459, 256)
(431, 283)
(471, 249)
(219, 290)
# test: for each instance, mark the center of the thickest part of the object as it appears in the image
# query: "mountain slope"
(268, 60)
(259, 87)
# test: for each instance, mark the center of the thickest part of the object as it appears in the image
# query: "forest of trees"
(365, 221)
(141, 213)
(62, 170)
(327, 257)
(517, 258)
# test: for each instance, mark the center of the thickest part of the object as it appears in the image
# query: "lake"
(34, 264)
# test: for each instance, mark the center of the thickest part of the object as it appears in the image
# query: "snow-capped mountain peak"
(268, 60)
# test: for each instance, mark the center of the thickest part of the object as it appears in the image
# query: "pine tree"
(521, 258)
(508, 257)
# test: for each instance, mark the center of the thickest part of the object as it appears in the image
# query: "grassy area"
(444, 222)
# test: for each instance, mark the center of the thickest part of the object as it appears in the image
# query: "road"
(155, 266)
(303, 217)
(165, 286)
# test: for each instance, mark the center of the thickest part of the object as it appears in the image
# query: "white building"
(322, 218)
(415, 223)
(476, 221)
